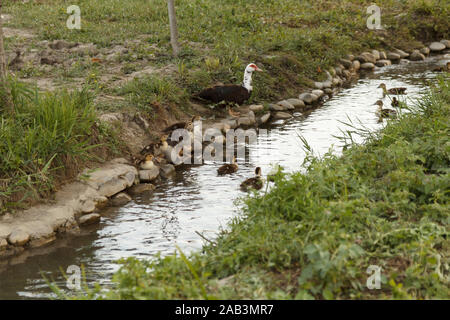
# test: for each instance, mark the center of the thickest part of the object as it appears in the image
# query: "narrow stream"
(197, 199)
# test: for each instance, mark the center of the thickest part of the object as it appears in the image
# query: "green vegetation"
(315, 234)
(151, 91)
(48, 138)
(290, 39)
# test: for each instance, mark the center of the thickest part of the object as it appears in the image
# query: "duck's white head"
(248, 75)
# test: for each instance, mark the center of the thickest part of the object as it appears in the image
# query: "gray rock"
(110, 179)
(336, 81)
(167, 170)
(61, 44)
(437, 46)
(297, 103)
(3, 244)
(251, 116)
(383, 63)
(338, 70)
(393, 56)
(88, 206)
(231, 123)
(346, 63)
(383, 55)
(401, 53)
(101, 202)
(282, 115)
(120, 199)
(149, 175)
(425, 51)
(275, 107)
(246, 121)
(328, 91)
(89, 49)
(367, 66)
(264, 118)
(356, 65)
(119, 161)
(376, 54)
(307, 98)
(256, 107)
(141, 188)
(346, 74)
(18, 238)
(89, 219)
(446, 43)
(416, 56)
(318, 85)
(318, 93)
(286, 104)
(366, 57)
(404, 61)
(327, 84)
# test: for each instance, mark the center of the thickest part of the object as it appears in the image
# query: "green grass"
(290, 39)
(314, 234)
(47, 139)
(151, 91)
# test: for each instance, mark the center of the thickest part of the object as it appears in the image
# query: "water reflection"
(197, 200)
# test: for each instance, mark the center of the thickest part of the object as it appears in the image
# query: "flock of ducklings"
(390, 113)
(386, 112)
(160, 153)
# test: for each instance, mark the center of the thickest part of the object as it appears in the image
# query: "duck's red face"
(255, 67)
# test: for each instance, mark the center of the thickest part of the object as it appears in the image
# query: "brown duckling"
(182, 124)
(397, 91)
(253, 183)
(16, 62)
(233, 114)
(147, 163)
(395, 102)
(385, 113)
(228, 168)
(443, 68)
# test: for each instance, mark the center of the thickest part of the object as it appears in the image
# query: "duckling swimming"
(395, 102)
(228, 168)
(397, 91)
(253, 183)
(443, 68)
(385, 113)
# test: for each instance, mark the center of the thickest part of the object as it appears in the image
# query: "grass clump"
(151, 92)
(49, 136)
(315, 234)
(289, 39)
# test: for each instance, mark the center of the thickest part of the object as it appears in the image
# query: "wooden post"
(173, 27)
(6, 101)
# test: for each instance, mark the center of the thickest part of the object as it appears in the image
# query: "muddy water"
(197, 200)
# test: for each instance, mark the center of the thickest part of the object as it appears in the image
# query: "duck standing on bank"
(228, 168)
(397, 91)
(385, 113)
(231, 92)
(253, 183)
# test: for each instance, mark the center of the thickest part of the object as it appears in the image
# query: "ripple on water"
(198, 200)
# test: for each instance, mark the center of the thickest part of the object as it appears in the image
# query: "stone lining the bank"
(79, 203)
(76, 204)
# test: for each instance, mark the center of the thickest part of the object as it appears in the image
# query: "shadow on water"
(197, 199)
